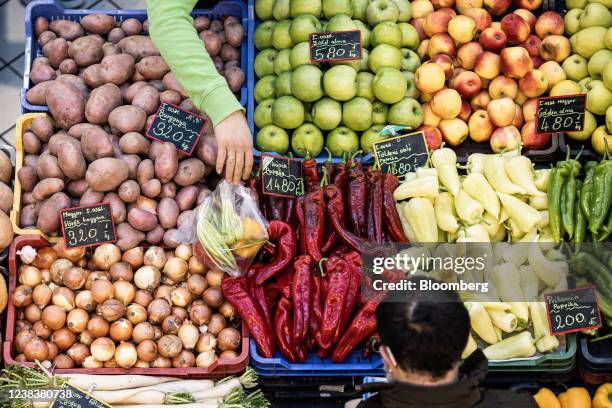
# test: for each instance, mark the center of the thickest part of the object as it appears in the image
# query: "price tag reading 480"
(281, 176)
(177, 126)
(87, 226)
(335, 46)
(557, 114)
(573, 310)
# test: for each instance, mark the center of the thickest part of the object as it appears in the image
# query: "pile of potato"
(6, 200)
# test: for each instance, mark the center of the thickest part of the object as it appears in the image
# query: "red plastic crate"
(215, 371)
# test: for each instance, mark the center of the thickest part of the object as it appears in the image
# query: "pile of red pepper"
(302, 295)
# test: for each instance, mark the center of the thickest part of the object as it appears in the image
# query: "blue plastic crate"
(355, 365)
(53, 11)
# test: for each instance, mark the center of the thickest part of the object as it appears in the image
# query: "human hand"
(234, 147)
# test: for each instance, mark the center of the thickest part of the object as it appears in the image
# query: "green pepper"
(584, 264)
(580, 224)
(605, 305)
(569, 196)
(587, 188)
(554, 191)
(607, 230)
(602, 195)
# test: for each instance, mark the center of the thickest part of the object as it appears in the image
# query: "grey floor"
(12, 33)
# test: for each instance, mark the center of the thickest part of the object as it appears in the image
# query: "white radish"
(114, 382)
(181, 386)
(131, 397)
(218, 391)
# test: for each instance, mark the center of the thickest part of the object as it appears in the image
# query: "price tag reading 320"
(177, 126)
(281, 176)
(335, 46)
(87, 226)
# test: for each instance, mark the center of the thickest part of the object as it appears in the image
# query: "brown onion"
(111, 310)
(136, 313)
(162, 362)
(158, 333)
(142, 297)
(86, 338)
(22, 338)
(183, 251)
(29, 276)
(206, 342)
(62, 361)
(121, 330)
(171, 324)
(22, 325)
(158, 310)
(96, 276)
(106, 255)
(63, 338)
(41, 295)
(176, 269)
(142, 364)
(155, 256)
(20, 358)
(110, 363)
(84, 300)
(121, 271)
(147, 278)
(216, 324)
(143, 331)
(213, 296)
(98, 327)
(134, 257)
(41, 330)
(36, 349)
(228, 355)
(63, 297)
(215, 277)
(46, 276)
(72, 254)
(78, 352)
(169, 346)
(102, 290)
(44, 258)
(125, 355)
(189, 334)
(32, 313)
(163, 292)
(91, 362)
(124, 291)
(103, 349)
(229, 339)
(185, 359)
(196, 266)
(53, 317)
(206, 359)
(179, 311)
(180, 296)
(53, 350)
(77, 320)
(147, 350)
(227, 310)
(74, 278)
(22, 296)
(197, 284)
(57, 269)
(200, 314)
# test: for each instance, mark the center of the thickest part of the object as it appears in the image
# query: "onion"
(96, 276)
(62, 361)
(171, 324)
(216, 324)
(64, 298)
(32, 313)
(121, 271)
(162, 362)
(22, 296)
(86, 338)
(147, 278)
(22, 338)
(136, 313)
(200, 314)
(134, 257)
(147, 350)
(124, 291)
(188, 334)
(227, 310)
(164, 292)
(84, 300)
(206, 359)
(63, 338)
(29, 276)
(125, 355)
(110, 363)
(228, 355)
(111, 310)
(197, 284)
(44, 258)
(169, 346)
(77, 319)
(41, 330)
(179, 311)
(229, 339)
(102, 290)
(142, 297)
(74, 278)
(91, 362)
(106, 255)
(27, 254)
(143, 331)
(183, 251)
(185, 359)
(142, 364)
(53, 350)
(121, 330)
(213, 296)
(41, 295)
(176, 269)
(180, 296)
(98, 327)
(20, 358)
(78, 352)
(53, 317)
(206, 342)
(46, 276)
(22, 325)
(72, 254)
(155, 256)
(102, 349)
(158, 310)
(215, 277)
(57, 269)
(158, 333)
(36, 349)
(196, 266)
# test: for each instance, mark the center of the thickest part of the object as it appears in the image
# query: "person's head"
(427, 333)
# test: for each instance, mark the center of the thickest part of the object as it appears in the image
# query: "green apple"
(382, 10)
(411, 90)
(342, 140)
(357, 114)
(306, 83)
(606, 3)
(370, 136)
(281, 9)
(405, 10)
(386, 33)
(262, 37)
(385, 55)
(272, 139)
(300, 55)
(263, 9)
(379, 113)
(299, 7)
(407, 112)
(307, 140)
(333, 8)
(590, 123)
(355, 64)
(588, 41)
(572, 21)
(609, 119)
(327, 113)
(265, 88)
(365, 33)
(572, 4)
(365, 56)
(410, 36)
(307, 115)
(598, 62)
(340, 82)
(263, 113)
(565, 87)
(600, 139)
(264, 62)
(608, 39)
(583, 84)
(607, 75)
(389, 85)
(364, 85)
(287, 112)
(340, 22)
(282, 86)
(281, 62)
(410, 60)
(595, 14)
(598, 97)
(280, 35)
(575, 67)
(302, 26)
(360, 8)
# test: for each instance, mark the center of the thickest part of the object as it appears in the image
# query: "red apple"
(528, 16)
(533, 140)
(532, 45)
(549, 23)
(555, 48)
(480, 101)
(456, 72)
(433, 136)
(487, 65)
(467, 54)
(419, 24)
(429, 117)
(530, 108)
(528, 4)
(444, 61)
(515, 62)
(502, 86)
(518, 117)
(533, 84)
(467, 84)
(501, 111)
(441, 43)
(516, 28)
(537, 61)
(466, 111)
(505, 138)
(438, 4)
(448, 11)
(422, 50)
(497, 7)
(480, 127)
(463, 5)
(493, 39)
(436, 22)
(481, 17)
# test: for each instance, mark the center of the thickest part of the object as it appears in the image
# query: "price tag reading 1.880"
(335, 46)
(281, 176)
(177, 126)
(87, 226)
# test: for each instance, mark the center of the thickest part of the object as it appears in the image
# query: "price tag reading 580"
(87, 226)
(335, 46)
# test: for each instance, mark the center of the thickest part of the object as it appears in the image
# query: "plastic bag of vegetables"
(230, 228)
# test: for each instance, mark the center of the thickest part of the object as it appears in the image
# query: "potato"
(172, 97)
(132, 161)
(92, 76)
(145, 27)
(28, 216)
(96, 144)
(151, 188)
(167, 211)
(186, 198)
(31, 144)
(233, 63)
(131, 26)
(157, 84)
(6, 231)
(40, 24)
(79, 129)
(31, 160)
(212, 42)
(117, 207)
(116, 35)
(134, 143)
(166, 163)
(234, 33)
(86, 51)
(77, 82)
(141, 219)
(137, 77)
(49, 214)
(190, 172)
(234, 77)
(65, 104)
(156, 235)
(6, 198)
(106, 174)
(129, 191)
(206, 150)
(68, 30)
(216, 26)
(173, 238)
(153, 67)
(91, 197)
(27, 178)
(128, 237)
(146, 171)
(47, 187)
(60, 139)
(110, 49)
(48, 167)
(218, 64)
(76, 188)
(71, 161)
(188, 105)
(171, 83)
(28, 198)
(185, 220)
(102, 102)
(41, 71)
(37, 95)
(46, 37)
(138, 46)
(168, 190)
(203, 195)
(229, 53)
(201, 23)
(42, 127)
(57, 51)
(147, 98)
(117, 68)
(127, 119)
(98, 23)
(68, 66)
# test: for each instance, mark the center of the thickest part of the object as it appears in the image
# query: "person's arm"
(171, 29)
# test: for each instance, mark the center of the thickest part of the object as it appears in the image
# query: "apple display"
(465, 112)
(454, 131)
(436, 22)
(501, 111)
(429, 78)
(502, 87)
(520, 98)
(467, 54)
(379, 113)
(516, 28)
(595, 15)
(533, 140)
(533, 84)
(571, 21)
(505, 138)
(340, 82)
(467, 84)
(357, 114)
(306, 83)
(422, 50)
(297, 8)
(566, 87)
(419, 24)
(482, 18)
(389, 85)
(597, 63)
(530, 109)
(553, 73)
(588, 41)
(487, 65)
(555, 48)
(598, 97)
(410, 36)
(385, 55)
(446, 103)
(537, 61)
(493, 39)
(480, 101)
(370, 136)
(386, 33)
(480, 127)
(379, 11)
(445, 62)
(272, 138)
(406, 112)
(421, 8)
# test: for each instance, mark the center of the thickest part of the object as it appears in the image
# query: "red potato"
(171, 83)
(86, 51)
(77, 82)
(76, 188)
(172, 97)
(49, 213)
(201, 23)
(132, 161)
(91, 197)
(153, 67)
(116, 35)
(146, 171)
(77, 131)
(151, 188)
(37, 95)
(42, 71)
(6, 198)
(102, 102)
(156, 235)
(147, 98)
(42, 127)
(141, 219)
(168, 190)
(166, 162)
(29, 160)
(186, 197)
(234, 77)
(46, 37)
(28, 216)
(68, 66)
(117, 68)
(66, 104)
(131, 26)
(57, 51)
(134, 143)
(212, 42)
(96, 144)
(133, 89)
(129, 191)
(206, 150)
(71, 161)
(167, 211)
(127, 118)
(27, 178)
(138, 46)
(41, 24)
(117, 207)
(60, 139)
(48, 167)
(98, 23)
(110, 49)
(128, 237)
(68, 30)
(47, 187)
(234, 33)
(229, 53)
(106, 174)
(31, 143)
(190, 172)
(92, 76)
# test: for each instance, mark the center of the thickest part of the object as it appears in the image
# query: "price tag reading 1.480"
(281, 176)
(87, 226)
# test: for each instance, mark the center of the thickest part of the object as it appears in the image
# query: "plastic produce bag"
(230, 228)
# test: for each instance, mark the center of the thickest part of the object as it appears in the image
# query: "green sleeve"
(171, 29)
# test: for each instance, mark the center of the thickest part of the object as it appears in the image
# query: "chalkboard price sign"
(177, 126)
(401, 154)
(335, 46)
(87, 226)
(72, 397)
(573, 310)
(557, 114)
(281, 176)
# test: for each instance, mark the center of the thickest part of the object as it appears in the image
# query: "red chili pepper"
(283, 330)
(339, 281)
(284, 237)
(341, 175)
(236, 292)
(374, 207)
(335, 209)
(353, 259)
(284, 281)
(357, 200)
(302, 352)
(299, 211)
(393, 225)
(316, 314)
(328, 165)
(275, 206)
(258, 293)
(290, 204)
(300, 294)
(310, 343)
(371, 345)
(255, 187)
(311, 173)
(314, 216)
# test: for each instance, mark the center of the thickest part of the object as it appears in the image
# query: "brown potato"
(129, 191)
(167, 211)
(145, 27)
(47, 187)
(156, 235)
(133, 89)
(131, 26)
(234, 33)
(37, 95)
(6, 231)
(71, 161)
(190, 172)
(86, 51)
(117, 68)
(146, 171)
(216, 26)
(116, 35)
(41, 71)
(65, 104)
(138, 46)
(117, 207)
(48, 167)
(79, 129)
(68, 66)
(171, 83)
(76, 188)
(141, 219)
(46, 37)
(169, 96)
(77, 82)
(92, 76)
(29, 160)
(173, 238)
(218, 64)
(98, 23)
(206, 150)
(151, 188)
(56, 50)
(186, 197)
(147, 98)
(203, 195)
(166, 163)
(212, 42)
(157, 84)
(106, 174)
(153, 67)
(42, 127)
(110, 49)
(233, 63)
(134, 143)
(58, 140)
(201, 23)
(132, 161)
(27, 198)
(41, 24)
(128, 237)
(234, 77)
(168, 190)
(91, 197)
(96, 144)
(31, 143)
(27, 178)
(229, 53)
(187, 104)
(6, 198)
(28, 216)
(49, 214)
(127, 119)
(102, 102)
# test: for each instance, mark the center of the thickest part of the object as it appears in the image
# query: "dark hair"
(427, 332)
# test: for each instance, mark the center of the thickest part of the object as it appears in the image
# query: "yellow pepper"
(520, 345)
(523, 214)
(520, 171)
(468, 209)
(470, 347)
(575, 397)
(477, 186)
(481, 322)
(602, 396)
(426, 186)
(421, 217)
(445, 213)
(539, 202)
(445, 161)
(495, 172)
(541, 179)
(507, 322)
(545, 398)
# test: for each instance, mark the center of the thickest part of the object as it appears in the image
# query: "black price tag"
(401, 154)
(573, 310)
(177, 126)
(72, 397)
(557, 114)
(87, 226)
(335, 46)
(281, 176)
